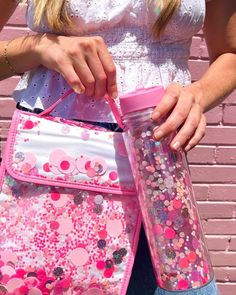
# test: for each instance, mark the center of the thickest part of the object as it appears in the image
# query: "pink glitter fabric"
(69, 216)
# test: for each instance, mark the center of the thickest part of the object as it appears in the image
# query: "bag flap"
(59, 152)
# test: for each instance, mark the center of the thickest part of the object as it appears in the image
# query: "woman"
(115, 47)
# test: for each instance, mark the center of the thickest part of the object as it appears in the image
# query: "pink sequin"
(28, 124)
(169, 233)
(183, 284)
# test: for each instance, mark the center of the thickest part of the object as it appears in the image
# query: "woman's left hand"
(184, 114)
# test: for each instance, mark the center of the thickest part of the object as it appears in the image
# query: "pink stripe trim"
(7, 148)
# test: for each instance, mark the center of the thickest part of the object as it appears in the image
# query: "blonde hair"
(168, 9)
(58, 19)
(55, 13)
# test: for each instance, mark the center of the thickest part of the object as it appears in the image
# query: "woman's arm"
(220, 35)
(19, 52)
(187, 104)
(84, 62)
(8, 6)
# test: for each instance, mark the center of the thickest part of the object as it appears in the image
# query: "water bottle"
(172, 225)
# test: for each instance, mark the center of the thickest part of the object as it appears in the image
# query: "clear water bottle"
(170, 216)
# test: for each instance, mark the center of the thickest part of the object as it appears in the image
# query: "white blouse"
(140, 60)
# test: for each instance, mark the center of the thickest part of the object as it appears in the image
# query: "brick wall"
(212, 162)
(213, 169)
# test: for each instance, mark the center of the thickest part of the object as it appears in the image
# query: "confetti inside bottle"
(171, 221)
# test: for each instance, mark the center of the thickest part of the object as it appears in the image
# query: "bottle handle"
(48, 110)
(111, 102)
(115, 110)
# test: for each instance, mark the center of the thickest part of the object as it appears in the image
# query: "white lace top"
(140, 61)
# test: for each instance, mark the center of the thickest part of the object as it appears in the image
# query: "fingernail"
(176, 145)
(158, 134)
(77, 89)
(156, 115)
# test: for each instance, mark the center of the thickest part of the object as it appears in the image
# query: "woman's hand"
(184, 113)
(84, 62)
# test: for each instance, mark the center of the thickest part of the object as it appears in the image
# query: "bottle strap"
(115, 110)
(56, 103)
(111, 102)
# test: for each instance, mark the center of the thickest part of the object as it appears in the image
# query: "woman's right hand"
(84, 62)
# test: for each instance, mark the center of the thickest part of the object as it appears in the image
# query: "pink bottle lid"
(141, 99)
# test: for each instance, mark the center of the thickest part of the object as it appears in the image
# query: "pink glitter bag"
(70, 219)
(169, 210)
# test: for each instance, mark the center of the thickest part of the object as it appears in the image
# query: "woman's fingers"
(183, 116)
(188, 129)
(100, 76)
(110, 70)
(177, 117)
(66, 69)
(85, 74)
(198, 135)
(89, 67)
(168, 101)
(85, 63)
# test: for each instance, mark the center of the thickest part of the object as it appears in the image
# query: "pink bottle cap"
(141, 99)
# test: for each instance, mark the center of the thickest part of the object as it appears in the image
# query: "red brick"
(225, 274)
(227, 288)
(220, 135)
(2, 146)
(213, 174)
(214, 116)
(201, 192)
(200, 33)
(231, 98)
(217, 209)
(226, 155)
(195, 51)
(223, 192)
(7, 107)
(229, 115)
(4, 127)
(7, 86)
(223, 258)
(198, 68)
(219, 226)
(9, 33)
(204, 50)
(232, 244)
(202, 154)
(217, 243)
(18, 17)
